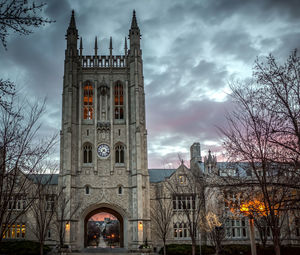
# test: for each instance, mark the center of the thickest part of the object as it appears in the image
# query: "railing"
(103, 61)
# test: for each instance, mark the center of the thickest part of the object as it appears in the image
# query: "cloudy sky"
(192, 49)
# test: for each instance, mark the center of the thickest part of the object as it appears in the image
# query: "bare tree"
(20, 16)
(215, 229)
(7, 89)
(63, 212)
(43, 207)
(21, 152)
(17, 16)
(187, 189)
(216, 215)
(162, 214)
(263, 132)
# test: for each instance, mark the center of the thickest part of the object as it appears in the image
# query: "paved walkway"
(110, 251)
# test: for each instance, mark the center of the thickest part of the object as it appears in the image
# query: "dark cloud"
(190, 48)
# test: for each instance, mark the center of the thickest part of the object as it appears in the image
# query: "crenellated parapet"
(104, 61)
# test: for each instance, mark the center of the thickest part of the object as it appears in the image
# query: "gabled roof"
(51, 179)
(159, 175)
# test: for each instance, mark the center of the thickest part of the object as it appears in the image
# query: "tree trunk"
(194, 248)
(165, 248)
(41, 248)
(276, 245)
(217, 248)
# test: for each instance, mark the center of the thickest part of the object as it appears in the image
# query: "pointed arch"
(88, 102)
(119, 153)
(119, 100)
(87, 153)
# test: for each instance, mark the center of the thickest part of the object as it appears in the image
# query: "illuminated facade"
(104, 138)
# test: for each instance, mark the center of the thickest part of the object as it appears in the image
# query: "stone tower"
(195, 154)
(103, 153)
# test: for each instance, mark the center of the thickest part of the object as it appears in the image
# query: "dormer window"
(182, 179)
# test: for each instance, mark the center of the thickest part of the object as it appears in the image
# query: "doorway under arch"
(106, 225)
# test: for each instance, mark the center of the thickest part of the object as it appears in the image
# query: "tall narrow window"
(87, 190)
(175, 230)
(120, 191)
(120, 154)
(88, 101)
(87, 153)
(119, 101)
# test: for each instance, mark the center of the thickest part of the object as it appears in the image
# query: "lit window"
(120, 154)
(88, 101)
(182, 179)
(119, 101)
(175, 230)
(87, 153)
(23, 230)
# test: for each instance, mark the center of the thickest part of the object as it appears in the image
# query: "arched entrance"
(103, 227)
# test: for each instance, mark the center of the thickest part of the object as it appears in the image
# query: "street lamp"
(247, 209)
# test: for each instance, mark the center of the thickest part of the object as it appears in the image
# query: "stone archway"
(104, 210)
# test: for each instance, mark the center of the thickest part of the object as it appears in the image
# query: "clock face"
(103, 150)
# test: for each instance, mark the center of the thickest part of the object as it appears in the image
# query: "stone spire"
(72, 37)
(72, 30)
(125, 47)
(80, 47)
(134, 36)
(134, 24)
(96, 46)
(110, 44)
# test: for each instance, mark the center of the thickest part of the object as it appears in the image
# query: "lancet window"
(120, 157)
(88, 109)
(87, 153)
(119, 101)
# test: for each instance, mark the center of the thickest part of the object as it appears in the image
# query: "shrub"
(236, 249)
(14, 247)
(186, 249)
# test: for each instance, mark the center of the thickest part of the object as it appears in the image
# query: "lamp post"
(247, 209)
(252, 236)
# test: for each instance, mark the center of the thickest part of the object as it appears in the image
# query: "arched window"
(180, 230)
(185, 230)
(88, 101)
(175, 230)
(87, 190)
(87, 153)
(120, 154)
(119, 101)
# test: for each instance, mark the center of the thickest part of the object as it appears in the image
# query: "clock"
(103, 150)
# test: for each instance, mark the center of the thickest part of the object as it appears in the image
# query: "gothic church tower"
(103, 153)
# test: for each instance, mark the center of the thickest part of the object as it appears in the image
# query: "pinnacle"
(72, 21)
(134, 22)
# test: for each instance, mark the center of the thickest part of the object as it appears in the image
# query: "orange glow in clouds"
(102, 216)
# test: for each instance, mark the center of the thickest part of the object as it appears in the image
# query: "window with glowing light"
(180, 230)
(119, 101)
(88, 109)
(14, 231)
(182, 179)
